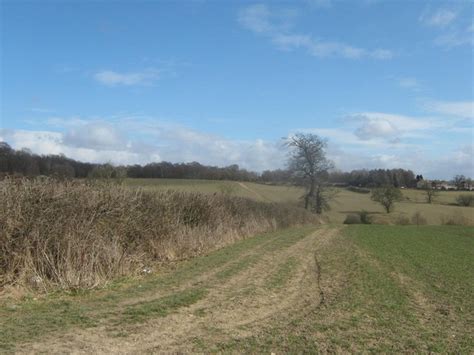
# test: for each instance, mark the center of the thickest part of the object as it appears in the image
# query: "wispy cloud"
(454, 31)
(460, 109)
(438, 18)
(455, 38)
(256, 18)
(113, 78)
(261, 20)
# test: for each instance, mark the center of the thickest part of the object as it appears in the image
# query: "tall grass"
(73, 234)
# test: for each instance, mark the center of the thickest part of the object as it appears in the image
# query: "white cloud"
(48, 142)
(259, 19)
(392, 127)
(454, 162)
(462, 109)
(96, 135)
(370, 143)
(112, 78)
(438, 18)
(373, 128)
(148, 140)
(382, 140)
(440, 166)
(180, 143)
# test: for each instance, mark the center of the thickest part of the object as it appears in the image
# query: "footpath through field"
(257, 194)
(261, 282)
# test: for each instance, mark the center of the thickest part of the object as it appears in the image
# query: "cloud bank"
(365, 140)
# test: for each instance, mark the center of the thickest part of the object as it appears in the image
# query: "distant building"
(466, 185)
(420, 184)
(437, 185)
(444, 186)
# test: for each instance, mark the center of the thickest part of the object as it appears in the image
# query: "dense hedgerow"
(76, 234)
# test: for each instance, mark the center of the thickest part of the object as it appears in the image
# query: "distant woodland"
(25, 163)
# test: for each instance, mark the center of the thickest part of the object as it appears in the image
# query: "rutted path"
(259, 195)
(264, 285)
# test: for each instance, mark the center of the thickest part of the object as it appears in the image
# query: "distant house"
(466, 185)
(420, 184)
(437, 185)
(445, 186)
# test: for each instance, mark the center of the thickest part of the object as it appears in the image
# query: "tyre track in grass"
(231, 307)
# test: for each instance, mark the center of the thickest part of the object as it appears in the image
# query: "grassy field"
(358, 288)
(259, 192)
(346, 201)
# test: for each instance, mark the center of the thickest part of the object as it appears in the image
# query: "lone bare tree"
(459, 181)
(430, 192)
(387, 196)
(309, 168)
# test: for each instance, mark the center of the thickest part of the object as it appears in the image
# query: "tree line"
(360, 178)
(24, 162)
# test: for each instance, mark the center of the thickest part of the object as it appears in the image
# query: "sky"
(389, 84)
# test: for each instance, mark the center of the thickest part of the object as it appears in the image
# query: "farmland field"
(345, 202)
(328, 288)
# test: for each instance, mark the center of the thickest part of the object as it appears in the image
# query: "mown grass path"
(314, 289)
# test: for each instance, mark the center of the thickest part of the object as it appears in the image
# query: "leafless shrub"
(402, 220)
(418, 219)
(73, 234)
(352, 219)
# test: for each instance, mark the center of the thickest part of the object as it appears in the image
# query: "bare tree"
(387, 196)
(309, 168)
(459, 181)
(430, 192)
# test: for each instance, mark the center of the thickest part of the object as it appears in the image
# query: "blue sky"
(388, 83)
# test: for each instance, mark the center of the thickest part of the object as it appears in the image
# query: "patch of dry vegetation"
(76, 234)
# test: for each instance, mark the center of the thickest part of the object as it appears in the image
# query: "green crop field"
(358, 288)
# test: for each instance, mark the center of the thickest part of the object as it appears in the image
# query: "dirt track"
(239, 302)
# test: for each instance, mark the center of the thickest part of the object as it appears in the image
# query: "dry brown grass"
(75, 234)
